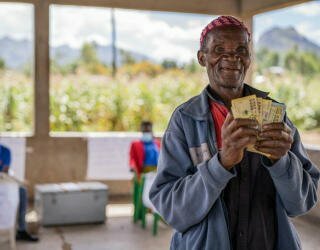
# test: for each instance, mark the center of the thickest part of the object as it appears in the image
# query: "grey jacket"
(190, 179)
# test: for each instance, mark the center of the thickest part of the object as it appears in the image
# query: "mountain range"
(17, 53)
(283, 39)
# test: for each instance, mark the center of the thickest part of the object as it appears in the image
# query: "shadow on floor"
(119, 232)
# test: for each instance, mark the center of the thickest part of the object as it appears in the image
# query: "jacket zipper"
(212, 147)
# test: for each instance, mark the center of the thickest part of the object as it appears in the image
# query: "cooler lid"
(92, 186)
(70, 187)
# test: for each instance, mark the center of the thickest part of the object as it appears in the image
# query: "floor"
(119, 232)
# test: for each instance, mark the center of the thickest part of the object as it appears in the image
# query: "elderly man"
(209, 188)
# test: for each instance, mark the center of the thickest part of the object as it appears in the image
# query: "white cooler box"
(71, 203)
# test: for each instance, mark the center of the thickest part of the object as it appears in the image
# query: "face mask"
(147, 137)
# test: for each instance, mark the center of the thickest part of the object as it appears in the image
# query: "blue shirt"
(151, 154)
(5, 157)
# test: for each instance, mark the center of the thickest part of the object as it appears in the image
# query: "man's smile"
(229, 69)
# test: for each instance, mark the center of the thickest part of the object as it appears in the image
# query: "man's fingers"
(243, 142)
(275, 144)
(236, 123)
(275, 153)
(228, 120)
(277, 126)
(277, 135)
(243, 132)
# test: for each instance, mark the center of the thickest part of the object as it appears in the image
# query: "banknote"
(266, 106)
(279, 111)
(263, 110)
(245, 107)
(259, 110)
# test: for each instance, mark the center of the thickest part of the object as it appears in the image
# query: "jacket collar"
(198, 107)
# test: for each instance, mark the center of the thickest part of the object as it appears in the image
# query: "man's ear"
(201, 58)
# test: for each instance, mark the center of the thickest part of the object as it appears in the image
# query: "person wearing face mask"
(144, 153)
(208, 187)
(143, 158)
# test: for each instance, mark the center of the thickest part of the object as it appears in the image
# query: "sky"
(159, 35)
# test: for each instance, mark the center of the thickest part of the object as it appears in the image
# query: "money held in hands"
(263, 110)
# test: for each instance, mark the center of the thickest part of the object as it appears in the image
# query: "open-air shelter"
(64, 158)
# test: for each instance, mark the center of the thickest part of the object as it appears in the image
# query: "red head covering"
(222, 21)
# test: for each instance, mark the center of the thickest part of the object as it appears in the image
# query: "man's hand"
(237, 134)
(276, 140)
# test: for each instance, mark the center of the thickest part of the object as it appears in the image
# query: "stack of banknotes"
(263, 110)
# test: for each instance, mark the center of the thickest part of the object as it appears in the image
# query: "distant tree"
(28, 69)
(2, 64)
(266, 59)
(169, 64)
(89, 54)
(192, 66)
(291, 61)
(309, 63)
(305, 63)
(273, 59)
(126, 57)
(260, 54)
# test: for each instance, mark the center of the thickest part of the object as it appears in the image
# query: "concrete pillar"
(41, 108)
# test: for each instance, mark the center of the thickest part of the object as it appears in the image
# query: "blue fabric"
(190, 180)
(5, 157)
(22, 210)
(151, 153)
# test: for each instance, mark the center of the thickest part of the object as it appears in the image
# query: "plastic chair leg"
(141, 208)
(143, 216)
(135, 197)
(156, 218)
(139, 199)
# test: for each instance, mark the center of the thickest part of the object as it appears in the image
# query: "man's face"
(226, 57)
(146, 128)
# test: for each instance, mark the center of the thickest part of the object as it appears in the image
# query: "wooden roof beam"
(253, 7)
(188, 6)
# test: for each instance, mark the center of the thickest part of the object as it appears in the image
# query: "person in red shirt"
(144, 153)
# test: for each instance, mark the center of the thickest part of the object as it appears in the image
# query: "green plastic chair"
(140, 211)
(144, 210)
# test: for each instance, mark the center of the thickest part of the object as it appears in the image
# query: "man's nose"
(232, 56)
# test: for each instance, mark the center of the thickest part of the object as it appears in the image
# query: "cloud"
(76, 25)
(155, 35)
(16, 20)
(308, 9)
(309, 30)
(157, 38)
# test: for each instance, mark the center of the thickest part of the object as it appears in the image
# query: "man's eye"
(242, 50)
(219, 49)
